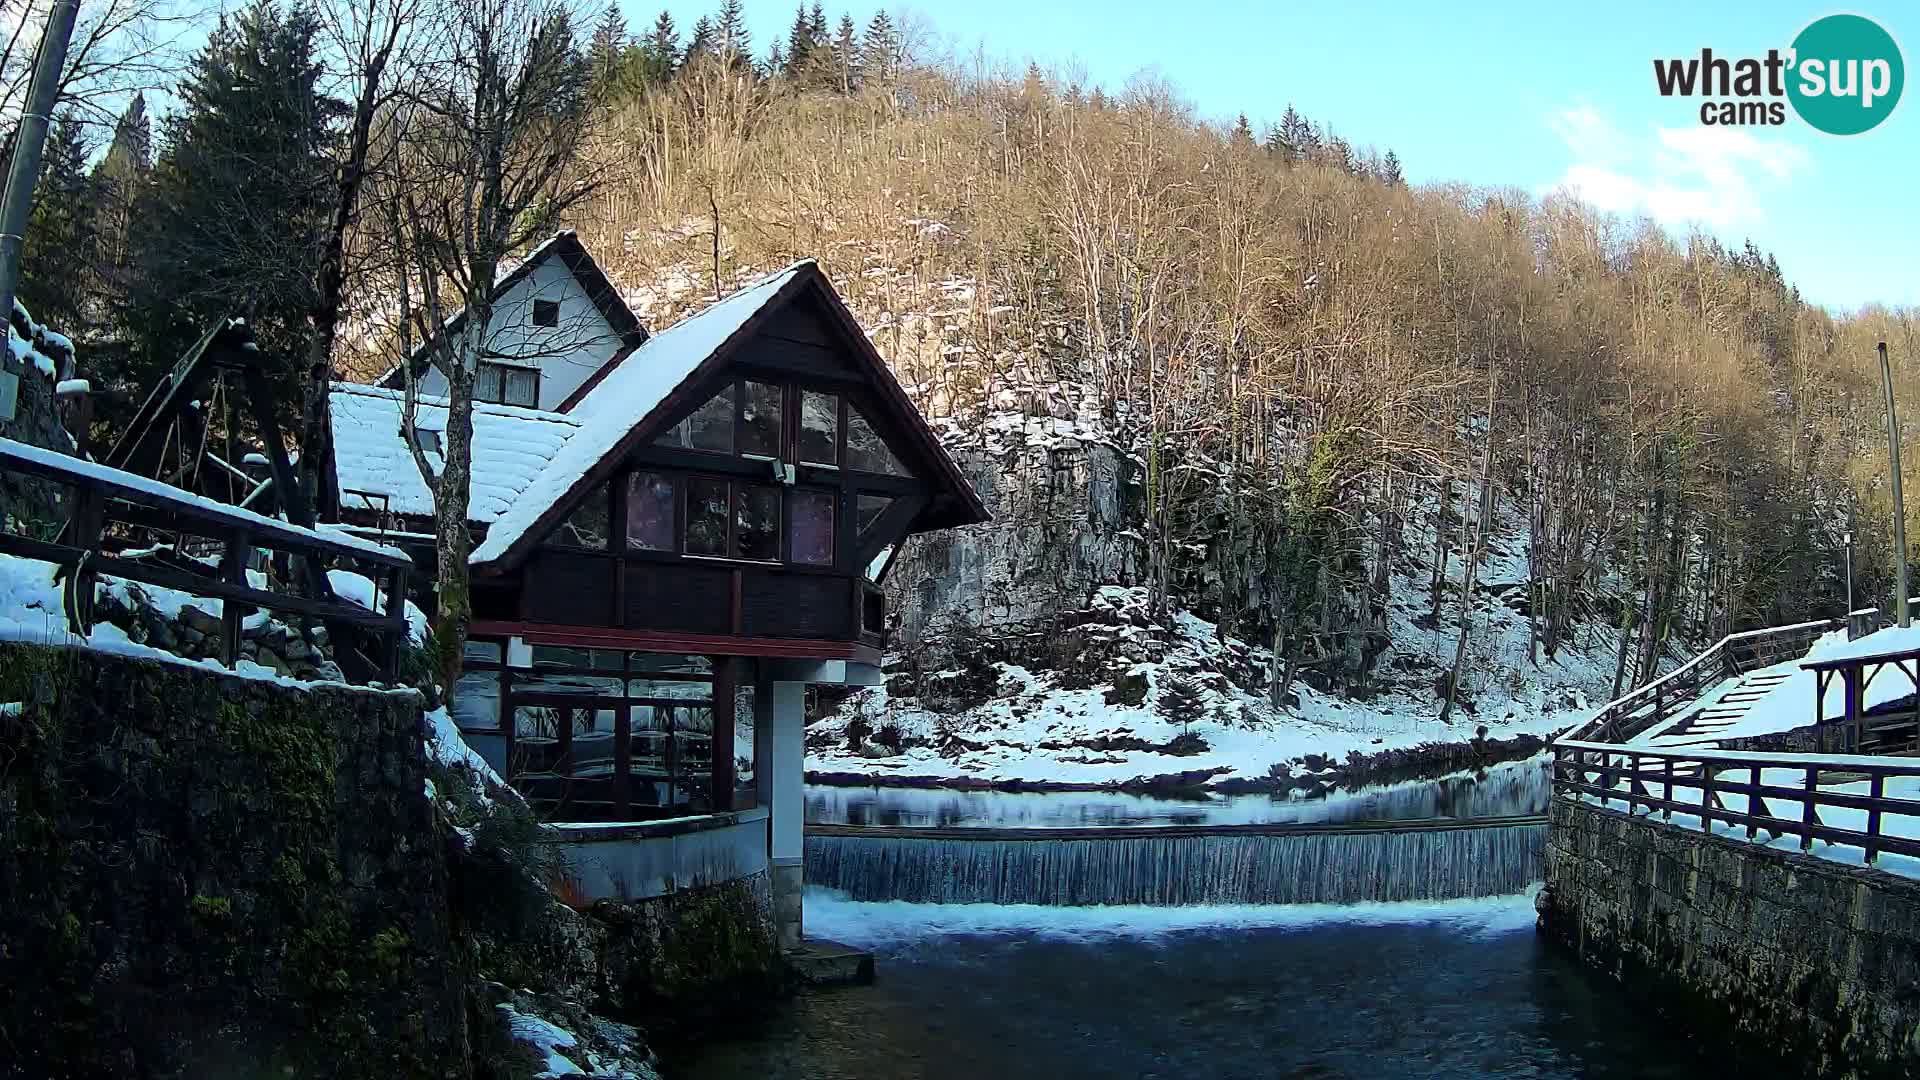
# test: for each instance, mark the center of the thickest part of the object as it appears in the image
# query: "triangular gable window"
(709, 428)
(866, 450)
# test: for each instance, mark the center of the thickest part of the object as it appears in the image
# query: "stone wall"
(1785, 956)
(207, 876)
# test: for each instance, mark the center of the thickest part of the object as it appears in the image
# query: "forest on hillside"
(1300, 353)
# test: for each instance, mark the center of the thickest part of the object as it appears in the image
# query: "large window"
(733, 519)
(499, 384)
(564, 713)
(650, 511)
(807, 427)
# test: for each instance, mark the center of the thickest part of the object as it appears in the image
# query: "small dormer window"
(546, 313)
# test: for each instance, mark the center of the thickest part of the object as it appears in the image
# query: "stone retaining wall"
(1783, 955)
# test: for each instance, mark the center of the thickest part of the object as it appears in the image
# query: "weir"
(1230, 864)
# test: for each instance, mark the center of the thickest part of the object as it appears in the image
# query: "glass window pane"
(711, 428)
(692, 665)
(486, 652)
(867, 510)
(760, 420)
(867, 451)
(706, 516)
(677, 435)
(878, 566)
(819, 427)
(650, 511)
(757, 522)
(587, 526)
(476, 701)
(560, 656)
(813, 527)
(677, 689)
(487, 383)
(522, 388)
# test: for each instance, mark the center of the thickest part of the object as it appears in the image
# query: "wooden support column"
(726, 678)
(233, 569)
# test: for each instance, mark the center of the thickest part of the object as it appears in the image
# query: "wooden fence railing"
(1732, 787)
(1636, 711)
(101, 497)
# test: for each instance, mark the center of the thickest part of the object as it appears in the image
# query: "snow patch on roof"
(511, 446)
(625, 397)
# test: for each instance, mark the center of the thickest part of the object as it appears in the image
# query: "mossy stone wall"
(212, 877)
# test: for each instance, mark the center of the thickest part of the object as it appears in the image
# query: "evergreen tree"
(1295, 136)
(608, 46)
(660, 52)
(730, 32)
(57, 254)
(880, 53)
(817, 24)
(1181, 702)
(234, 218)
(776, 60)
(1271, 142)
(1390, 170)
(701, 43)
(1242, 131)
(846, 55)
(800, 42)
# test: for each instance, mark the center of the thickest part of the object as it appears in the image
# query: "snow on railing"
(1812, 797)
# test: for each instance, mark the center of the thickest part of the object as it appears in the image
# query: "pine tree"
(118, 180)
(1390, 170)
(817, 24)
(776, 60)
(730, 32)
(234, 218)
(1242, 131)
(57, 254)
(1295, 135)
(879, 54)
(800, 42)
(1181, 702)
(608, 46)
(1271, 142)
(846, 55)
(701, 43)
(660, 52)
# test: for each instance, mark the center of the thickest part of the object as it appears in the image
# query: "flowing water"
(982, 992)
(1004, 848)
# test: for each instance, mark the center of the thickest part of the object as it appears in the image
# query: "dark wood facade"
(822, 474)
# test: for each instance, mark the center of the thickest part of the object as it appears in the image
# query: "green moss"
(212, 908)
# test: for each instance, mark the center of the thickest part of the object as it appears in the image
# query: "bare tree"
(492, 161)
(118, 47)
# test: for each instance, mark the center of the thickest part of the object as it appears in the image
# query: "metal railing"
(1732, 787)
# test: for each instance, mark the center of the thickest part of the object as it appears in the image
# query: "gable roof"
(511, 446)
(626, 399)
(565, 246)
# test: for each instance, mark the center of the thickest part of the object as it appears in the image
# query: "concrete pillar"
(781, 772)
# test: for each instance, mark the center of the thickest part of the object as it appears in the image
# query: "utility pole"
(1899, 504)
(29, 138)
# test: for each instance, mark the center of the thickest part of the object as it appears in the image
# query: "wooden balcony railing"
(101, 498)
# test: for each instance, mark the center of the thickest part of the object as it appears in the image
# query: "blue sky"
(1529, 95)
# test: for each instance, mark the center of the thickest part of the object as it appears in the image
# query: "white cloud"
(1717, 176)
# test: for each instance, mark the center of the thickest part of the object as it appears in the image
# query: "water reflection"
(1520, 787)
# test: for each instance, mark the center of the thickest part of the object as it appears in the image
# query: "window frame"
(505, 370)
(544, 307)
(849, 402)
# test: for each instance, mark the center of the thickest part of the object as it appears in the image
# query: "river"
(985, 991)
(989, 992)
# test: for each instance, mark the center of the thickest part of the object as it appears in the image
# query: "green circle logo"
(1847, 74)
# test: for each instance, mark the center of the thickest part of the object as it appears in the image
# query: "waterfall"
(1189, 866)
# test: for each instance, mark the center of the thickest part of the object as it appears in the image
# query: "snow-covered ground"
(1788, 702)
(1035, 730)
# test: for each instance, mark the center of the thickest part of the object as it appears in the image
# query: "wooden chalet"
(668, 552)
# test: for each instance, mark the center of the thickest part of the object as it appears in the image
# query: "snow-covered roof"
(511, 447)
(623, 398)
